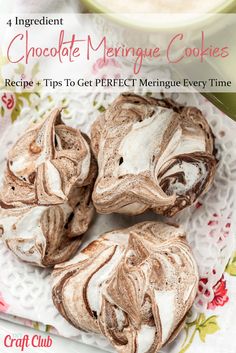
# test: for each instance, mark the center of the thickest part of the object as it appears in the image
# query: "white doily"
(208, 222)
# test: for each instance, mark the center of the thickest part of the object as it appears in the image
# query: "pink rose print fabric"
(220, 293)
(3, 304)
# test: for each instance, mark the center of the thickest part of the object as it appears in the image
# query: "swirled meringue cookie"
(133, 285)
(45, 200)
(152, 154)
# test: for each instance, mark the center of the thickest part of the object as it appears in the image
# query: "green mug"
(96, 6)
(226, 102)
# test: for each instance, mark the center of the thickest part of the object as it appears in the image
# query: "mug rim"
(227, 8)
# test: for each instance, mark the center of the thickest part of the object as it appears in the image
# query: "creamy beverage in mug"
(188, 10)
(159, 6)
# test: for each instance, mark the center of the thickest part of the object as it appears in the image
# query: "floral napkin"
(206, 331)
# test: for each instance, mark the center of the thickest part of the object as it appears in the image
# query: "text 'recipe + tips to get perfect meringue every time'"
(133, 285)
(152, 154)
(46, 192)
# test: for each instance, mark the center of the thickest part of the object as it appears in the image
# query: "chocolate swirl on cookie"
(133, 285)
(152, 154)
(45, 200)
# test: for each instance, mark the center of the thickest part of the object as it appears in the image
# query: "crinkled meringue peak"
(152, 154)
(133, 285)
(45, 201)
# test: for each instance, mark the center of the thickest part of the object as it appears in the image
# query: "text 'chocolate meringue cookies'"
(45, 200)
(134, 285)
(152, 154)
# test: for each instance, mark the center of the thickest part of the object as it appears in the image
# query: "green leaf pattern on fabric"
(41, 327)
(20, 98)
(203, 326)
(231, 267)
(19, 103)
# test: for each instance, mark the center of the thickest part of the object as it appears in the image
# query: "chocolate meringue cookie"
(152, 154)
(45, 200)
(133, 285)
